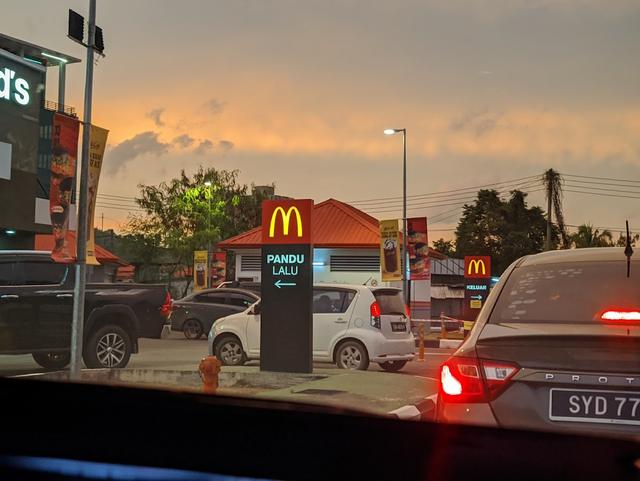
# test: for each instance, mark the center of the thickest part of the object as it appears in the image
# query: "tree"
(192, 213)
(504, 230)
(589, 236)
(553, 181)
(447, 248)
(622, 239)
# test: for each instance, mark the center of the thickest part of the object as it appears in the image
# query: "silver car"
(557, 346)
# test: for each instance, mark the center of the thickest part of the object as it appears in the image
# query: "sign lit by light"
(13, 88)
(476, 287)
(285, 264)
(477, 267)
(286, 221)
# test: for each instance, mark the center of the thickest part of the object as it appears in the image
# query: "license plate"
(399, 327)
(607, 407)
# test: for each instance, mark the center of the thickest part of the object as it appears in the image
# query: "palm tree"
(589, 236)
(553, 181)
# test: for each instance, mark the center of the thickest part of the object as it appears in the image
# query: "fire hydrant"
(209, 369)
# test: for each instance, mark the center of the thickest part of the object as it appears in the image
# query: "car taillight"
(407, 311)
(620, 316)
(469, 380)
(375, 315)
(167, 306)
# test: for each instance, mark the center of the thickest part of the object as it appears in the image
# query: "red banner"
(418, 248)
(218, 268)
(64, 143)
(286, 221)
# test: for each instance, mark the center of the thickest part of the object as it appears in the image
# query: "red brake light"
(468, 380)
(407, 310)
(620, 316)
(375, 314)
(167, 306)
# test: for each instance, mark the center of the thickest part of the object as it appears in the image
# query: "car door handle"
(9, 296)
(64, 296)
(340, 320)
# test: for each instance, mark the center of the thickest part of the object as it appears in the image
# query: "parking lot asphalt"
(177, 353)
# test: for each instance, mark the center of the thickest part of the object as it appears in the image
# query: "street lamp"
(207, 183)
(405, 264)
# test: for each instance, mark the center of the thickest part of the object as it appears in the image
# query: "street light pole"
(81, 237)
(405, 257)
(208, 184)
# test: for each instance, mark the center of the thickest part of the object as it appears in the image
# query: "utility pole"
(81, 247)
(549, 200)
(102, 223)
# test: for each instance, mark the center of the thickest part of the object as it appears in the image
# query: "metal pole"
(209, 273)
(81, 237)
(62, 70)
(549, 198)
(405, 257)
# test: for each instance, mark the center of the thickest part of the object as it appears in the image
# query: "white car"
(352, 326)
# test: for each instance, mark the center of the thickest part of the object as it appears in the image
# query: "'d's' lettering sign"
(477, 267)
(286, 221)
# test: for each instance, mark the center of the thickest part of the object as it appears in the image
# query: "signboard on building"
(286, 324)
(200, 260)
(390, 250)
(22, 86)
(418, 247)
(477, 267)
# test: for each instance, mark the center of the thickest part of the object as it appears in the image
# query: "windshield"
(567, 293)
(320, 203)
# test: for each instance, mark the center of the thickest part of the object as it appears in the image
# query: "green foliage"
(503, 229)
(447, 248)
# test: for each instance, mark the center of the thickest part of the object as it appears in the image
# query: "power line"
(603, 195)
(603, 189)
(431, 194)
(601, 178)
(599, 183)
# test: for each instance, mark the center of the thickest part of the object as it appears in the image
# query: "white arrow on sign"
(279, 284)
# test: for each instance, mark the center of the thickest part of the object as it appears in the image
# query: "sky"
(298, 94)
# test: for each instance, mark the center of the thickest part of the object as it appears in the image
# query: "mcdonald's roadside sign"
(286, 221)
(477, 267)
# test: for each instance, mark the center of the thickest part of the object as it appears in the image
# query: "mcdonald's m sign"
(286, 221)
(477, 267)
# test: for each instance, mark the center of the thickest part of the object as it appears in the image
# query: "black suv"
(36, 302)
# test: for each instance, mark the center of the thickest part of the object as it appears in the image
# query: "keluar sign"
(390, 250)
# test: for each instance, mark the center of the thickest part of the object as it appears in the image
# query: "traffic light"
(76, 26)
(99, 40)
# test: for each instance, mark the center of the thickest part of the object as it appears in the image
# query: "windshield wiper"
(628, 251)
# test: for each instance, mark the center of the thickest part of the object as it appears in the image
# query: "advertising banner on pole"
(418, 247)
(64, 146)
(96, 153)
(390, 250)
(200, 272)
(218, 268)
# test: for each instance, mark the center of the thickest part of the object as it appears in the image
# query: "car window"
(390, 301)
(6, 274)
(37, 273)
(327, 301)
(240, 300)
(568, 293)
(212, 298)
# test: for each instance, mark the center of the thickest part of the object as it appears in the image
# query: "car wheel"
(108, 347)
(192, 329)
(352, 355)
(52, 360)
(393, 366)
(229, 351)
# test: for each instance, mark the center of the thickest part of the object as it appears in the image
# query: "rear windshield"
(568, 292)
(390, 301)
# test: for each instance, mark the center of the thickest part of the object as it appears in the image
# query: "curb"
(443, 343)
(424, 410)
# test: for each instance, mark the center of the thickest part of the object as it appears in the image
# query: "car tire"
(392, 366)
(229, 351)
(192, 329)
(52, 360)
(108, 347)
(352, 355)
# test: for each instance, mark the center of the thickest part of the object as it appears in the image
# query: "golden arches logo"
(286, 218)
(476, 265)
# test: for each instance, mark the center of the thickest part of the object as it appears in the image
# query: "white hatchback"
(352, 326)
